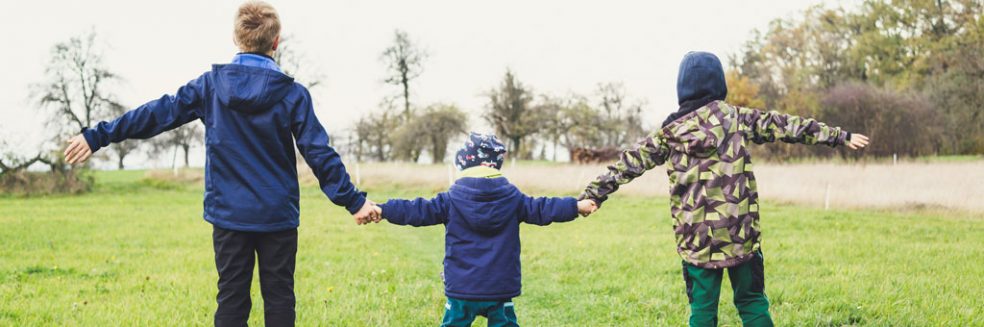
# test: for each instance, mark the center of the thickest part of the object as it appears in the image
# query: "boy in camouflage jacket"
(713, 198)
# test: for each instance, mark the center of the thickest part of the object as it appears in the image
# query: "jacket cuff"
(573, 214)
(90, 139)
(356, 205)
(386, 208)
(842, 138)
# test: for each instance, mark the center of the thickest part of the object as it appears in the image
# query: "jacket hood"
(481, 202)
(701, 76)
(700, 81)
(249, 89)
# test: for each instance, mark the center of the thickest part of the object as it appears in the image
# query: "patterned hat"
(480, 150)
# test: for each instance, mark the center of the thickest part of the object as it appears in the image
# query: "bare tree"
(404, 60)
(74, 90)
(75, 78)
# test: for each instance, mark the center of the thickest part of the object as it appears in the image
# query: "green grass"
(137, 253)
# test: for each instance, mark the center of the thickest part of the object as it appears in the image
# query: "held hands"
(586, 207)
(857, 142)
(370, 213)
(78, 150)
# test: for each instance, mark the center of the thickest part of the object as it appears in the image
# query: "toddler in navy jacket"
(481, 213)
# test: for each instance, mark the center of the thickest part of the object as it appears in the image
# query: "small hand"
(857, 141)
(366, 214)
(586, 207)
(379, 213)
(78, 150)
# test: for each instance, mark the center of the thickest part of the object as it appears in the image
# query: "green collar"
(480, 172)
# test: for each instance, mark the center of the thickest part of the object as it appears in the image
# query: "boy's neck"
(480, 172)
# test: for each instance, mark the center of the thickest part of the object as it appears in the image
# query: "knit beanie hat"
(480, 150)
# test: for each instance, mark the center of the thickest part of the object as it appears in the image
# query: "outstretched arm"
(312, 142)
(417, 212)
(767, 126)
(632, 163)
(148, 120)
(543, 211)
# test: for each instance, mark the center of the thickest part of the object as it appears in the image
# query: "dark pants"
(461, 313)
(748, 283)
(235, 253)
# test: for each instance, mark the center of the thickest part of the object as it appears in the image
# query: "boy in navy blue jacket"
(253, 114)
(481, 213)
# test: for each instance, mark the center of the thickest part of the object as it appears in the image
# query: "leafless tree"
(404, 61)
(75, 89)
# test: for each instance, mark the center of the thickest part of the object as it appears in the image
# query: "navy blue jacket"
(481, 218)
(252, 117)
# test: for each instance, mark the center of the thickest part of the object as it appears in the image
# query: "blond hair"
(257, 26)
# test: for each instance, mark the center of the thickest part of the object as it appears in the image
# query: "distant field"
(137, 253)
(947, 184)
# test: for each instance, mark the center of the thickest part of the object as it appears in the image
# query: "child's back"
(713, 197)
(482, 216)
(482, 212)
(252, 116)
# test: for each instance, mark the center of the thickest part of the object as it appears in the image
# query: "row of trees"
(530, 124)
(908, 72)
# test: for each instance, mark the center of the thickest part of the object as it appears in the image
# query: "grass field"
(137, 253)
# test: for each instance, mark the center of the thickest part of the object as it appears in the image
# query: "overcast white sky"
(554, 46)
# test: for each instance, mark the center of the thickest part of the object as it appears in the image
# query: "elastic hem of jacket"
(721, 264)
(482, 297)
(261, 228)
(573, 213)
(357, 205)
(89, 139)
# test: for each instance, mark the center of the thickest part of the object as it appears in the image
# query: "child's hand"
(78, 150)
(370, 212)
(857, 141)
(586, 207)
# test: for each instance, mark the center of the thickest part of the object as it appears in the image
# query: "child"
(713, 198)
(252, 114)
(481, 213)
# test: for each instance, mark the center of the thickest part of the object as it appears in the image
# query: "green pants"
(748, 282)
(461, 313)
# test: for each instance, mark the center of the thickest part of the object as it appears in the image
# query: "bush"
(30, 183)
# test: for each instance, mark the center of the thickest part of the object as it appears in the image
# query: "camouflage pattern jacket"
(713, 199)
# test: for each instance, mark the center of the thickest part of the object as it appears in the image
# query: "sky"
(555, 47)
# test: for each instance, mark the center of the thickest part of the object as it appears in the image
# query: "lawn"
(137, 253)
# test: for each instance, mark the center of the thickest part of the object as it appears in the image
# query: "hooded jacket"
(253, 117)
(713, 196)
(481, 217)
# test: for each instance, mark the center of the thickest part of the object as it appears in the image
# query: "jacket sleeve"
(417, 212)
(632, 163)
(152, 118)
(543, 211)
(767, 126)
(312, 141)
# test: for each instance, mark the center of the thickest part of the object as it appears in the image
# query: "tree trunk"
(186, 147)
(119, 164)
(406, 98)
